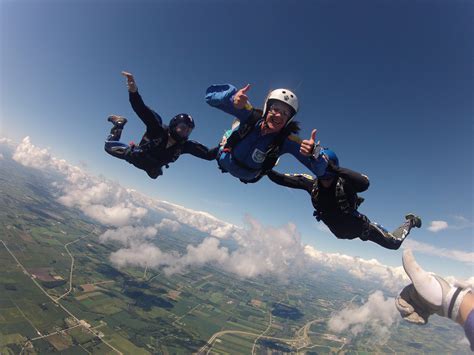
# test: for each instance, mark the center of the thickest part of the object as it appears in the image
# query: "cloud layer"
(261, 250)
(460, 222)
(135, 220)
(392, 278)
(377, 315)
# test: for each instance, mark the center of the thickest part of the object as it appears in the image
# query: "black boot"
(402, 232)
(117, 121)
(116, 131)
(415, 221)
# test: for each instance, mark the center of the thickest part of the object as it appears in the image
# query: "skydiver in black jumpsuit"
(334, 197)
(161, 144)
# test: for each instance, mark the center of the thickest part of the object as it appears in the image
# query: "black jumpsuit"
(340, 214)
(151, 154)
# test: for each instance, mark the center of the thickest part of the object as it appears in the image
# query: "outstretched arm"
(294, 181)
(292, 146)
(150, 118)
(200, 150)
(359, 181)
(227, 98)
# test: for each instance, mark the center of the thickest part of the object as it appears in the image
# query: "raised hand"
(240, 97)
(307, 145)
(132, 86)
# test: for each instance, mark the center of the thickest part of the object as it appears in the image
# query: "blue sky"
(388, 85)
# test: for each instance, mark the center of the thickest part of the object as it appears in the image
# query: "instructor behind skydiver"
(335, 200)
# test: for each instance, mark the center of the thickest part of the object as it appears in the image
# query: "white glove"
(428, 294)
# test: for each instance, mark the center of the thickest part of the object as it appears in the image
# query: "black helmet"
(178, 119)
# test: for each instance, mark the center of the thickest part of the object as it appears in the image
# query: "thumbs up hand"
(240, 97)
(307, 145)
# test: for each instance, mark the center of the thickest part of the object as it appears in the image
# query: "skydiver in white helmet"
(252, 147)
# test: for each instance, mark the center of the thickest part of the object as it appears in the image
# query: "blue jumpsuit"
(246, 159)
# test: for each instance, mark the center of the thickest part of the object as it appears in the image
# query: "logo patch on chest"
(258, 156)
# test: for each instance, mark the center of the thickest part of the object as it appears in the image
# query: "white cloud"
(1, 156)
(107, 201)
(261, 250)
(128, 234)
(393, 278)
(98, 198)
(102, 201)
(143, 255)
(169, 225)
(7, 141)
(146, 254)
(29, 155)
(202, 221)
(199, 220)
(460, 222)
(376, 316)
(436, 226)
(458, 255)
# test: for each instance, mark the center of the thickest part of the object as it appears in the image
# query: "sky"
(388, 85)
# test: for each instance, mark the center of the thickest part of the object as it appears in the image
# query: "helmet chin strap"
(289, 120)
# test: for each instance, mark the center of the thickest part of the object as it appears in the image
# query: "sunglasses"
(279, 110)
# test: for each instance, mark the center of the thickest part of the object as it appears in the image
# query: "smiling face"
(277, 116)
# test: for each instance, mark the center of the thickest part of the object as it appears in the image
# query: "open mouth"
(275, 121)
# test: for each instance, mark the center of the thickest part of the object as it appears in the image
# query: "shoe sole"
(415, 217)
(111, 119)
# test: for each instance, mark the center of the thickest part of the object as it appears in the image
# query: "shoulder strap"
(344, 204)
(243, 130)
(273, 152)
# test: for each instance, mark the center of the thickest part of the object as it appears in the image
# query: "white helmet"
(283, 95)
